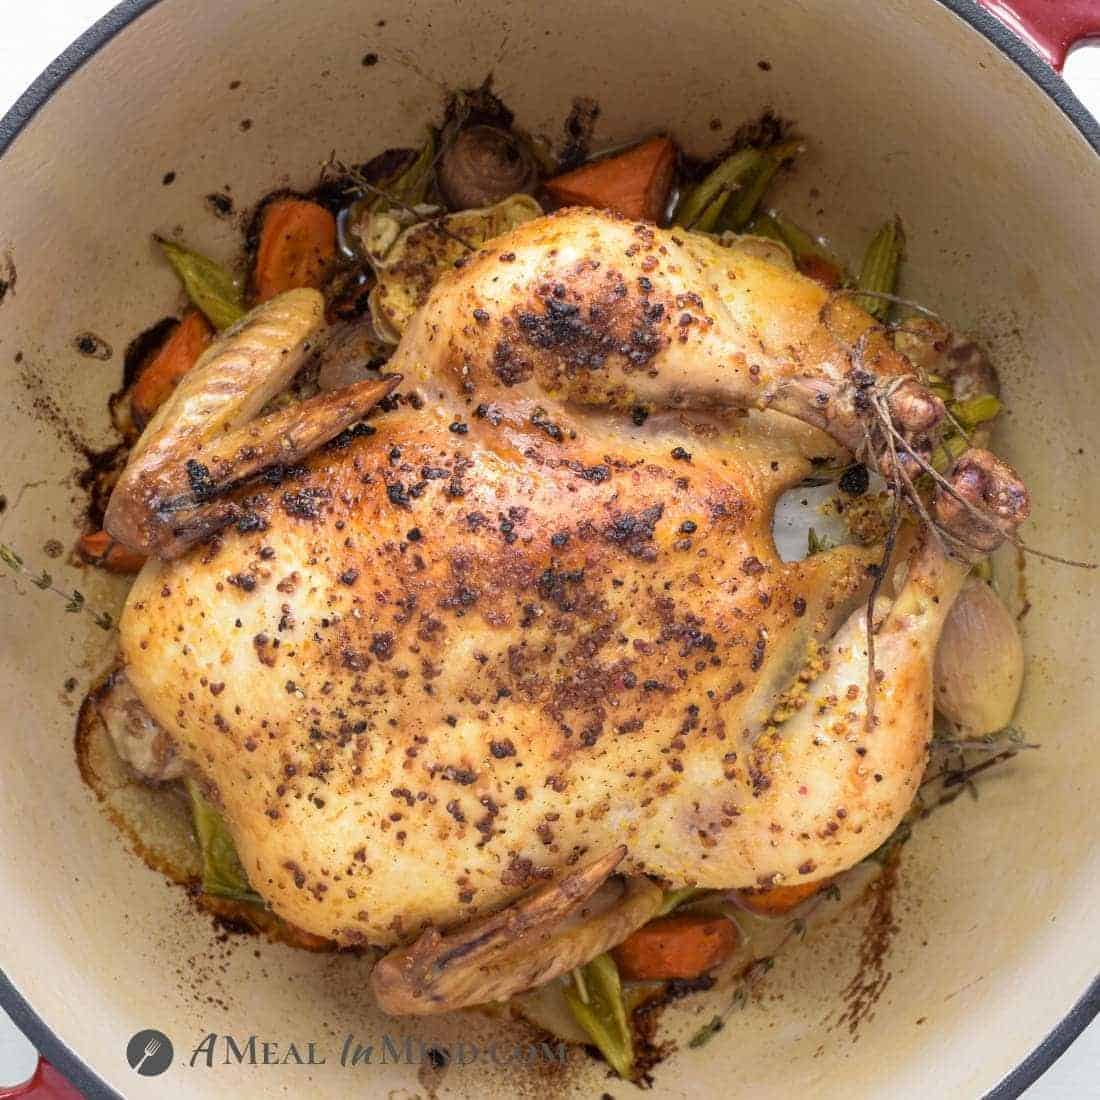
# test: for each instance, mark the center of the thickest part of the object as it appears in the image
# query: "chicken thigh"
(532, 615)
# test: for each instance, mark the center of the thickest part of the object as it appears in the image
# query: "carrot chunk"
(294, 936)
(98, 548)
(297, 247)
(777, 900)
(176, 356)
(821, 271)
(634, 183)
(684, 946)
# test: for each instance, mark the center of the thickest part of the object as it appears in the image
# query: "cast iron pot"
(928, 108)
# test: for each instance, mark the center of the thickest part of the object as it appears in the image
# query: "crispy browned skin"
(469, 662)
(203, 442)
(523, 624)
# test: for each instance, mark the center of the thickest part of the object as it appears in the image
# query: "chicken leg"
(591, 309)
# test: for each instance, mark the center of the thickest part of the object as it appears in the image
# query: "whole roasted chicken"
(521, 648)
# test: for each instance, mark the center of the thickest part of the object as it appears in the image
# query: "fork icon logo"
(149, 1052)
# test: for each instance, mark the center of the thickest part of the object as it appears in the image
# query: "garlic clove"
(979, 666)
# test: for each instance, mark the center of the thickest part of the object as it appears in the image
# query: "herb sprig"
(75, 601)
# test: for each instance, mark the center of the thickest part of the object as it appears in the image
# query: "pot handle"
(1049, 27)
(46, 1084)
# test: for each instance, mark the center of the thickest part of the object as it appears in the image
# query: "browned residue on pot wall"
(872, 977)
(8, 278)
(579, 129)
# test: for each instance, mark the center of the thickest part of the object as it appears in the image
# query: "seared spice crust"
(487, 654)
(454, 663)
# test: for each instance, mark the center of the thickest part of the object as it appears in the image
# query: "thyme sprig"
(75, 601)
(361, 183)
(950, 772)
(739, 1000)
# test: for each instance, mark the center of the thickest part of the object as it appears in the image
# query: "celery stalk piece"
(764, 225)
(806, 249)
(210, 287)
(737, 211)
(976, 410)
(946, 451)
(879, 271)
(941, 387)
(603, 1014)
(699, 208)
(816, 543)
(798, 240)
(708, 220)
(742, 205)
(222, 873)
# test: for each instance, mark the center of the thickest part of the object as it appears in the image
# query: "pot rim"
(84, 48)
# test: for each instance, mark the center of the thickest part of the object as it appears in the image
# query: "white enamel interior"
(908, 109)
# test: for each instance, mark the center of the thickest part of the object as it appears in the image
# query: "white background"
(33, 35)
